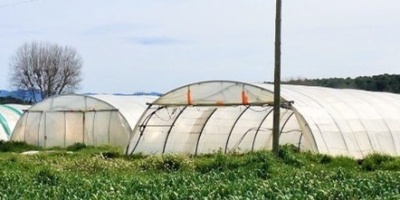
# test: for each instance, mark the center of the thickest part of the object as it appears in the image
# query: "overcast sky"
(158, 45)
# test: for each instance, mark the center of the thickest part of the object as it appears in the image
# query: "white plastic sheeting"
(93, 120)
(345, 122)
(9, 115)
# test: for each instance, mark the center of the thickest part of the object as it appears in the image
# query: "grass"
(86, 172)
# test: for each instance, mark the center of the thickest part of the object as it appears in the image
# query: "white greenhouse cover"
(194, 119)
(212, 116)
(346, 121)
(90, 119)
(9, 115)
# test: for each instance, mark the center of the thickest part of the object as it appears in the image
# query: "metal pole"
(277, 79)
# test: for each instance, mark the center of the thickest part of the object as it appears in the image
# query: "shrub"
(393, 165)
(16, 146)
(135, 156)
(47, 177)
(343, 161)
(167, 163)
(76, 147)
(325, 159)
(219, 162)
(259, 157)
(110, 154)
(259, 162)
(375, 161)
(287, 154)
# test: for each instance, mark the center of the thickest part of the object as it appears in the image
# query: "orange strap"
(189, 97)
(245, 98)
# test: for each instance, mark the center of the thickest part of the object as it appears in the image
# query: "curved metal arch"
(284, 123)
(25, 122)
(15, 110)
(45, 130)
(243, 136)
(180, 98)
(301, 137)
(283, 126)
(4, 124)
(233, 127)
(172, 125)
(202, 128)
(329, 114)
(259, 127)
(141, 127)
(107, 103)
(109, 126)
(65, 129)
(93, 128)
(306, 129)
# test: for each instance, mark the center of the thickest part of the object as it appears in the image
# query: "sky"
(158, 45)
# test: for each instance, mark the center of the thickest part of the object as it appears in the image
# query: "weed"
(47, 177)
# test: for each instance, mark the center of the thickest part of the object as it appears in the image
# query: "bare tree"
(46, 68)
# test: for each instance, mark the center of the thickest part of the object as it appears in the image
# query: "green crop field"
(81, 172)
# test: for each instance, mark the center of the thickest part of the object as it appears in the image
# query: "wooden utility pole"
(277, 79)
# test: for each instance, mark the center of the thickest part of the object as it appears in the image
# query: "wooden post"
(277, 79)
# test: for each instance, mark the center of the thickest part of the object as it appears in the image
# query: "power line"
(17, 3)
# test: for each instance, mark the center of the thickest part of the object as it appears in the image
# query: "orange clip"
(245, 98)
(188, 97)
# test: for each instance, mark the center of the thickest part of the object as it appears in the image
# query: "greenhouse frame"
(230, 116)
(9, 115)
(90, 119)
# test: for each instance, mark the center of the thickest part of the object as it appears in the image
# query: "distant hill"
(383, 82)
(141, 94)
(11, 100)
(19, 96)
(124, 94)
(26, 97)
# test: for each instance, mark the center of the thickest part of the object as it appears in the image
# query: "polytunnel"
(212, 116)
(9, 115)
(231, 116)
(347, 122)
(91, 119)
